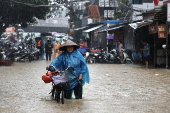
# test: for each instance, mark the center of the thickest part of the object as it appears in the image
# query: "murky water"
(114, 88)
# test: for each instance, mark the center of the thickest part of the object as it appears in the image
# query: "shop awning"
(141, 24)
(81, 28)
(93, 28)
(112, 21)
(113, 28)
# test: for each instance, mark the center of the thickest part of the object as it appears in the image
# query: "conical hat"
(68, 43)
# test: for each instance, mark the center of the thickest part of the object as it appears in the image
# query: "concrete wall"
(128, 38)
(145, 7)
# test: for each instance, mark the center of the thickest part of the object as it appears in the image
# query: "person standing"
(146, 53)
(77, 78)
(110, 45)
(120, 48)
(82, 44)
(48, 50)
(56, 48)
(40, 45)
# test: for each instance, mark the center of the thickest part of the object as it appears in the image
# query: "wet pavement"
(114, 88)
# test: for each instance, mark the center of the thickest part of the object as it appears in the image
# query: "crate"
(5, 63)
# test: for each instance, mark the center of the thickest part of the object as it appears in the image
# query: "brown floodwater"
(113, 88)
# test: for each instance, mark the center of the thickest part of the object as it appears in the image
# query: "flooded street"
(113, 88)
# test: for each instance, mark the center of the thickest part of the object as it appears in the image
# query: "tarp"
(81, 28)
(93, 28)
(113, 28)
(141, 24)
(112, 21)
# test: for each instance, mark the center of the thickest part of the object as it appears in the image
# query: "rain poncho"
(75, 60)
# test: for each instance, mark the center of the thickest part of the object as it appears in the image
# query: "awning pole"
(107, 44)
(167, 30)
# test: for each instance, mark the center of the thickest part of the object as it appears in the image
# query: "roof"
(93, 28)
(94, 11)
(141, 24)
(112, 21)
(113, 28)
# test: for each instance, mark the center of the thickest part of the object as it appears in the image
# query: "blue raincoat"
(75, 60)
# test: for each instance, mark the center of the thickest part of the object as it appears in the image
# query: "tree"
(23, 12)
(123, 11)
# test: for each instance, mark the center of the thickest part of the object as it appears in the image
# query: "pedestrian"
(136, 55)
(120, 50)
(110, 45)
(82, 43)
(146, 53)
(71, 57)
(56, 47)
(40, 45)
(48, 49)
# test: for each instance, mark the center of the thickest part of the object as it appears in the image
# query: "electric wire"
(32, 5)
(137, 10)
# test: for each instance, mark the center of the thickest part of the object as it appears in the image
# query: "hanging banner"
(168, 12)
(161, 31)
(165, 2)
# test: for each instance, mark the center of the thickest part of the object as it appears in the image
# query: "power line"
(141, 10)
(32, 5)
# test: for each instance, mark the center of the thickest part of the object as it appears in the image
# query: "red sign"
(161, 31)
(165, 2)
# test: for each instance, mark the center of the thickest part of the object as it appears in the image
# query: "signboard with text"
(161, 31)
(168, 12)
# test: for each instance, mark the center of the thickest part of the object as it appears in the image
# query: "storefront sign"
(165, 2)
(71, 31)
(161, 31)
(168, 12)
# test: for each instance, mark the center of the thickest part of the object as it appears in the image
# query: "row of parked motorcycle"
(102, 56)
(18, 52)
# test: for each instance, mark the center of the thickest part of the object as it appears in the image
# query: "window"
(147, 1)
(137, 2)
(113, 3)
(101, 3)
(108, 3)
(109, 13)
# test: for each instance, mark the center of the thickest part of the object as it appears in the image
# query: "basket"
(61, 78)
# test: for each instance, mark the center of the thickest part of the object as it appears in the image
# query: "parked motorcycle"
(126, 58)
(9, 54)
(35, 54)
(99, 57)
(23, 55)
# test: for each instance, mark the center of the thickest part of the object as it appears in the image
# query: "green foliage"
(13, 13)
(123, 11)
(71, 13)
